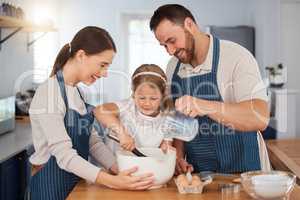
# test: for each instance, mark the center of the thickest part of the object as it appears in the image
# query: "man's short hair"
(173, 12)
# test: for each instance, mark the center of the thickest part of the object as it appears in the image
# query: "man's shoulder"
(227, 46)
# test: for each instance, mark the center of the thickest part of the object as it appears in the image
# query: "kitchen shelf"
(21, 25)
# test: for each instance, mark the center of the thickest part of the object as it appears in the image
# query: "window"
(142, 46)
(43, 56)
(45, 46)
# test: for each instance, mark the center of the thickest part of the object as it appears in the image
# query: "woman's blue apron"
(52, 182)
(216, 147)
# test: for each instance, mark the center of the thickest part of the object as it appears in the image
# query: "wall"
(70, 16)
(289, 52)
(265, 18)
(16, 61)
(108, 14)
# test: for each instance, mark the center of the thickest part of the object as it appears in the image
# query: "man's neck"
(201, 49)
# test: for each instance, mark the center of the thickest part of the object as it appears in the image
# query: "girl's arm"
(108, 115)
(101, 153)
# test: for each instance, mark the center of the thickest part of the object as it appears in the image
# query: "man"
(219, 83)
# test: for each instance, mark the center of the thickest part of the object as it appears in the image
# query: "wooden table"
(86, 191)
(285, 155)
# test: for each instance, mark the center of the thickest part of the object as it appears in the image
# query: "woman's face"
(147, 98)
(94, 66)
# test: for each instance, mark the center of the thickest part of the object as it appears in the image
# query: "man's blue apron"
(52, 182)
(216, 147)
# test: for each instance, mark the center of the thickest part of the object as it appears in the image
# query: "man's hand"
(192, 106)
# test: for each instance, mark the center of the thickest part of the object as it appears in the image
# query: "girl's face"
(94, 66)
(147, 98)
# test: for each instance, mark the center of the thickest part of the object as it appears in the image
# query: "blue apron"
(216, 147)
(52, 182)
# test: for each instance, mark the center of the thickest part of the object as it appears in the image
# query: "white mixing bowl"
(160, 164)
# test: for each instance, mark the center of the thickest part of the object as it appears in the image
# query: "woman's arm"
(108, 116)
(59, 145)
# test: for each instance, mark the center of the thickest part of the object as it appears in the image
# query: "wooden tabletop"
(285, 155)
(86, 191)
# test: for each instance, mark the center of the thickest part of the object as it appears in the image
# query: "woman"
(62, 123)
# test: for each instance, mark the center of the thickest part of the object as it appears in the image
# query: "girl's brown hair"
(91, 40)
(166, 103)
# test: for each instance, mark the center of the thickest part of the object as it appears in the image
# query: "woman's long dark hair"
(91, 40)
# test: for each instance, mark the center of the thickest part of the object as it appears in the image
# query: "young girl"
(137, 121)
(62, 123)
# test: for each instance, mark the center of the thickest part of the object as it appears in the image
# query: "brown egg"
(196, 181)
(182, 180)
(195, 177)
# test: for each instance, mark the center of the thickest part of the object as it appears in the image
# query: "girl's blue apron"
(52, 182)
(216, 147)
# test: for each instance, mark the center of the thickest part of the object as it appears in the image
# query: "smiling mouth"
(179, 54)
(95, 77)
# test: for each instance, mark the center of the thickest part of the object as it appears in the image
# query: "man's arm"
(249, 115)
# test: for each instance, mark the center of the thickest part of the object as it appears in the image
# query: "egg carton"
(192, 189)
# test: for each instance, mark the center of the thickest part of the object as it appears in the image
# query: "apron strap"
(89, 107)
(61, 83)
(216, 55)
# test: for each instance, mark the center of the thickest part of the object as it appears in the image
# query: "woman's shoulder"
(47, 89)
(47, 96)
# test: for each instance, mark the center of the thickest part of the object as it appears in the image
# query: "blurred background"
(268, 28)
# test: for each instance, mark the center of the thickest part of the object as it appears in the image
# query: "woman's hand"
(126, 142)
(125, 180)
(114, 169)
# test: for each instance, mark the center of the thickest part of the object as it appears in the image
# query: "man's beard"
(189, 49)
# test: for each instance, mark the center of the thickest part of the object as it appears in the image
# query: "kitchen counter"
(16, 141)
(284, 155)
(84, 190)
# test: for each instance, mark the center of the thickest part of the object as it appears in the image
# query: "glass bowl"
(267, 185)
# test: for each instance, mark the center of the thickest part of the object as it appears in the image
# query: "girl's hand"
(166, 145)
(182, 166)
(125, 180)
(126, 142)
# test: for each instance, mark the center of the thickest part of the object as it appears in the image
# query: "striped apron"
(51, 182)
(216, 147)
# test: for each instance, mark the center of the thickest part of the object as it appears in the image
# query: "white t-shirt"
(238, 79)
(50, 137)
(238, 75)
(144, 129)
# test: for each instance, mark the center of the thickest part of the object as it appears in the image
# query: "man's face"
(176, 39)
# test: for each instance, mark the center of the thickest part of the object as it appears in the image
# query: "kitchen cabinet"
(14, 177)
